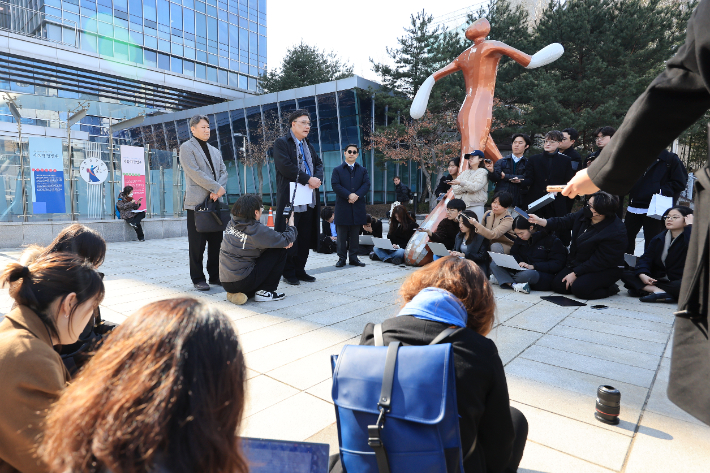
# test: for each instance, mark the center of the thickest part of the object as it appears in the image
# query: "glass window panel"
(225, 136)
(149, 11)
(200, 6)
(105, 11)
(176, 16)
(234, 79)
(164, 32)
(158, 137)
(171, 135)
(328, 123)
(188, 68)
(309, 103)
(349, 129)
(212, 29)
(252, 70)
(136, 54)
(150, 58)
(135, 7)
(135, 37)
(201, 56)
(243, 39)
(163, 12)
(105, 29)
(212, 11)
(120, 22)
(243, 68)
(164, 61)
(121, 34)
(200, 71)
(54, 3)
(88, 42)
(85, 4)
(136, 24)
(68, 7)
(150, 42)
(212, 59)
(243, 82)
(183, 130)
(212, 74)
(88, 24)
(253, 43)
(164, 45)
(150, 29)
(189, 21)
(213, 132)
(105, 46)
(177, 49)
(223, 32)
(189, 53)
(136, 136)
(121, 5)
(223, 62)
(120, 50)
(176, 64)
(252, 84)
(234, 66)
(223, 77)
(201, 25)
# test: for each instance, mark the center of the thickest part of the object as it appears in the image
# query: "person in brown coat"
(55, 297)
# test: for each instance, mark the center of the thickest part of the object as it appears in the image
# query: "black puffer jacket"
(545, 252)
(666, 175)
(650, 263)
(446, 233)
(594, 247)
(402, 193)
(508, 167)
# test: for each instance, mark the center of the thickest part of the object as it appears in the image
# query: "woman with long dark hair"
(402, 227)
(55, 298)
(469, 244)
(166, 395)
(127, 207)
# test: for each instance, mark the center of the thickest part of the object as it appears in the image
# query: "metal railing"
(37, 24)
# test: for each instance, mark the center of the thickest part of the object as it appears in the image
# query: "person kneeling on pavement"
(540, 255)
(253, 256)
(402, 227)
(657, 275)
(597, 249)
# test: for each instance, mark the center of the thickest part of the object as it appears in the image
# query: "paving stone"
(600, 350)
(344, 312)
(273, 334)
(540, 318)
(659, 403)
(620, 318)
(264, 392)
(508, 308)
(539, 458)
(328, 435)
(611, 328)
(611, 340)
(512, 341)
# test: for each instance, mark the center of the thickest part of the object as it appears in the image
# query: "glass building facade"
(218, 41)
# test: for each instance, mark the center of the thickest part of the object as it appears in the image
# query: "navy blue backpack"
(396, 407)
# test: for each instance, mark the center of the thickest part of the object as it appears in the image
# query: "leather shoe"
(202, 286)
(291, 281)
(306, 277)
(356, 262)
(374, 257)
(657, 297)
(340, 263)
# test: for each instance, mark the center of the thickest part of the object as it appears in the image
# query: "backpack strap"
(374, 439)
(445, 333)
(379, 341)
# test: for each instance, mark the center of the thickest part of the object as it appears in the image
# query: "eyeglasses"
(304, 123)
(352, 152)
(670, 217)
(599, 138)
(549, 142)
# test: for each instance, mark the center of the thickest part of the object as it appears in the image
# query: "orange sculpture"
(479, 64)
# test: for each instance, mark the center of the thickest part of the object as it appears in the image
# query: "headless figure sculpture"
(479, 64)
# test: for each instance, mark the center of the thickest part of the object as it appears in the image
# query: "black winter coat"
(650, 263)
(376, 229)
(594, 247)
(402, 193)
(286, 163)
(544, 170)
(346, 182)
(476, 251)
(446, 233)
(511, 170)
(666, 175)
(399, 236)
(443, 186)
(544, 251)
(481, 388)
(575, 157)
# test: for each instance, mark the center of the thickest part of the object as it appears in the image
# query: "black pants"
(634, 222)
(632, 281)
(597, 285)
(136, 220)
(520, 427)
(196, 243)
(348, 241)
(264, 277)
(297, 255)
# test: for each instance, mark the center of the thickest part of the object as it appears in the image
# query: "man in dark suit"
(350, 183)
(508, 173)
(569, 141)
(547, 169)
(297, 162)
(674, 101)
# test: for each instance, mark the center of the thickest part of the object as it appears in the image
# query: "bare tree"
(258, 152)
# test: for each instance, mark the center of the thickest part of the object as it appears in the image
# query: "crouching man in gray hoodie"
(252, 256)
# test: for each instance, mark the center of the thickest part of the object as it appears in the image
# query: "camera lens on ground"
(608, 405)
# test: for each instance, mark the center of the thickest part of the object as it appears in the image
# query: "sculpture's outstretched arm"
(422, 98)
(546, 55)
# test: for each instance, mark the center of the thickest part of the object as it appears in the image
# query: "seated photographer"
(253, 256)
(126, 206)
(542, 256)
(373, 228)
(402, 227)
(454, 292)
(448, 228)
(497, 223)
(658, 272)
(445, 182)
(327, 240)
(469, 244)
(597, 249)
(166, 395)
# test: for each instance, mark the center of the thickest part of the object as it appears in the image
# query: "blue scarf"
(437, 305)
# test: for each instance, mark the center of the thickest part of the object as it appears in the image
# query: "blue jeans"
(386, 255)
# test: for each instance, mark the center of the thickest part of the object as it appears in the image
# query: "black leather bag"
(211, 216)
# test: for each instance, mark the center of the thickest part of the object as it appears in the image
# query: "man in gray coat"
(205, 175)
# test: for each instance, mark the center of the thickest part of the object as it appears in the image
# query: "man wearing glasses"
(602, 137)
(296, 161)
(548, 169)
(350, 183)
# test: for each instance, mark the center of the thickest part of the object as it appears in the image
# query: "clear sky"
(355, 30)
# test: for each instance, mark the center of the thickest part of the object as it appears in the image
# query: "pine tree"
(305, 65)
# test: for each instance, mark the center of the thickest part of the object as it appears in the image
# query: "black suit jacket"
(544, 170)
(286, 163)
(346, 182)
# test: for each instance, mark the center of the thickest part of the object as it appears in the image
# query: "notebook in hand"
(505, 261)
(541, 202)
(278, 456)
(382, 243)
(522, 213)
(438, 249)
(630, 259)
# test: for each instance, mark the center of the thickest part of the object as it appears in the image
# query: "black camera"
(608, 405)
(287, 211)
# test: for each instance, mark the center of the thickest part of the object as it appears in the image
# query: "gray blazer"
(199, 180)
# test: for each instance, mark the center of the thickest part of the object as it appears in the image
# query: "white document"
(366, 240)
(304, 194)
(382, 243)
(541, 202)
(439, 249)
(505, 261)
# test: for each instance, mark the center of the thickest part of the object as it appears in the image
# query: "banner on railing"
(47, 178)
(133, 171)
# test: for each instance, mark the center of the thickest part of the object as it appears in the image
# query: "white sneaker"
(493, 280)
(522, 287)
(266, 296)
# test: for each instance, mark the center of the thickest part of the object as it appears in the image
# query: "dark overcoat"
(345, 182)
(544, 170)
(674, 101)
(286, 163)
